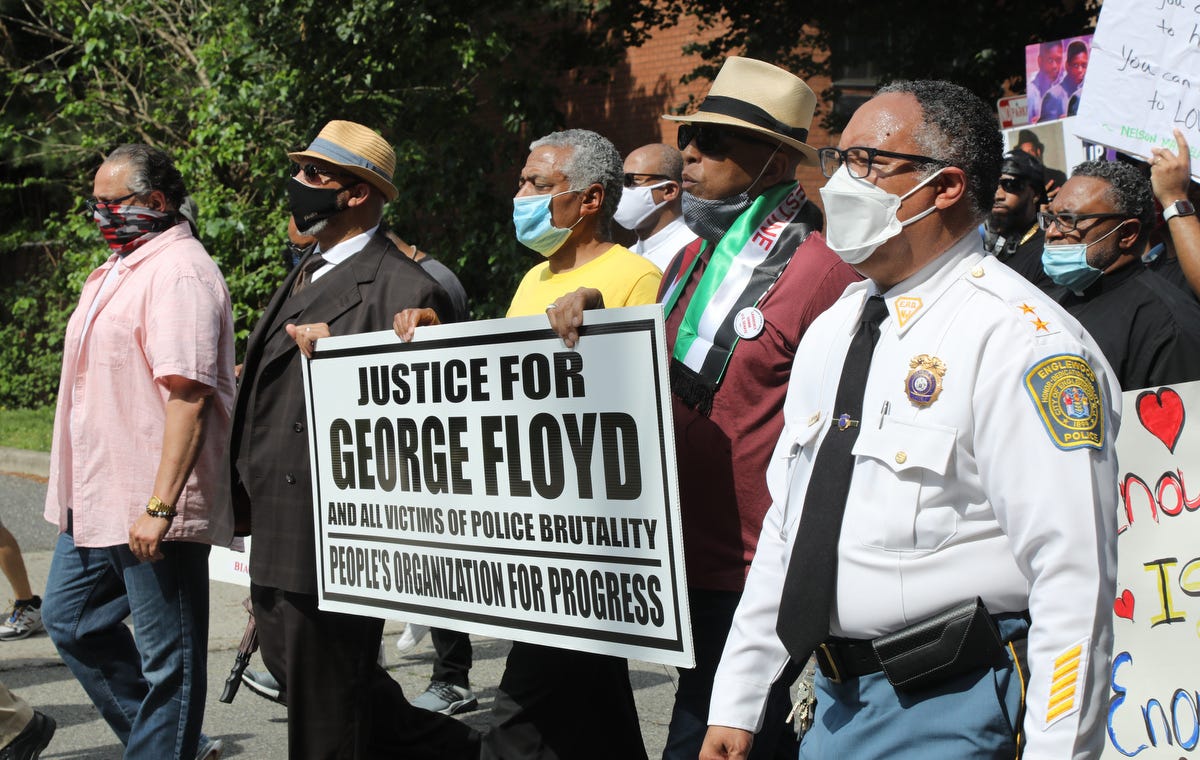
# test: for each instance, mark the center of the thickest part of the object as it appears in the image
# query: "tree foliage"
(459, 87)
(227, 88)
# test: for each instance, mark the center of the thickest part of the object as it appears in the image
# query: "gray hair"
(1129, 190)
(960, 129)
(150, 170)
(593, 160)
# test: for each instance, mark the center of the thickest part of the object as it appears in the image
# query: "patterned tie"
(812, 572)
(308, 268)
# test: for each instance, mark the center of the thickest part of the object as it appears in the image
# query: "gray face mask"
(712, 219)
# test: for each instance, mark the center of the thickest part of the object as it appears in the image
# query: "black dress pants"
(341, 704)
(561, 704)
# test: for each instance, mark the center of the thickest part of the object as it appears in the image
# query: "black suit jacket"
(269, 479)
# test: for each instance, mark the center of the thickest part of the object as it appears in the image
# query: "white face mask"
(861, 216)
(636, 206)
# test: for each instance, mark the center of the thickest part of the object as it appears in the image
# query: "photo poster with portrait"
(1154, 680)
(1054, 74)
(486, 478)
(1144, 78)
(1056, 146)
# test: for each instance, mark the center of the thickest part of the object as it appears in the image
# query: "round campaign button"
(748, 322)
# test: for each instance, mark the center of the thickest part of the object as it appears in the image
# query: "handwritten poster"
(1155, 672)
(1143, 77)
(485, 478)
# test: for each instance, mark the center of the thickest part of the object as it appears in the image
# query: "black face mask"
(310, 205)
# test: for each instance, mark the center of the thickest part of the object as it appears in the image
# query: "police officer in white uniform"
(981, 511)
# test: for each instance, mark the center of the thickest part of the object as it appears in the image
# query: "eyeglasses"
(860, 161)
(1067, 223)
(635, 178)
(710, 140)
(314, 173)
(1013, 185)
(94, 204)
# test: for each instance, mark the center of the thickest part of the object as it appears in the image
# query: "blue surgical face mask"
(1068, 266)
(535, 228)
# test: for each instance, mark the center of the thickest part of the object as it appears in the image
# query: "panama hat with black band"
(759, 97)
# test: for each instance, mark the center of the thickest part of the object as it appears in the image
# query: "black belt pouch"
(949, 644)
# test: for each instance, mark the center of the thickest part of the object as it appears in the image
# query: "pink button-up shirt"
(166, 313)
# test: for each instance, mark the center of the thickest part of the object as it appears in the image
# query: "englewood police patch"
(1067, 397)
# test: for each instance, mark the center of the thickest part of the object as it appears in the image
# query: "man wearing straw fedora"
(737, 303)
(340, 702)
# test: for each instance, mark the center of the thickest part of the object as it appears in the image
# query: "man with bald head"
(652, 204)
(955, 609)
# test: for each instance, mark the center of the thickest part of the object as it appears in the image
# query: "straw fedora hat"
(759, 97)
(357, 149)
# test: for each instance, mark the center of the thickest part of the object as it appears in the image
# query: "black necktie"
(812, 572)
(308, 268)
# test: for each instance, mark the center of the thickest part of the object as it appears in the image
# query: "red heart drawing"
(1161, 412)
(1123, 606)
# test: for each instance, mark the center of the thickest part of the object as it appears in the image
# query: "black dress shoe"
(32, 740)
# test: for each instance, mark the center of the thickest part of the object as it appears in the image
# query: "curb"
(22, 462)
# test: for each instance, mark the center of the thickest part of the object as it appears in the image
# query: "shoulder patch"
(1066, 395)
(1066, 679)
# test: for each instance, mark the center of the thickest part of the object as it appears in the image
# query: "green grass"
(27, 428)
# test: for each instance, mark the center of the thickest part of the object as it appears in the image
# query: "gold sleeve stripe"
(1058, 710)
(1063, 683)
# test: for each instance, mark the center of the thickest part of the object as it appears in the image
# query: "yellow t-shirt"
(625, 279)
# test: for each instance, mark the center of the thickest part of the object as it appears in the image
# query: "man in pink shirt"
(143, 414)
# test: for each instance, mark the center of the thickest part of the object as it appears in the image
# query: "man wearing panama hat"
(737, 302)
(340, 702)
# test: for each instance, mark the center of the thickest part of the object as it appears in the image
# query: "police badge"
(924, 381)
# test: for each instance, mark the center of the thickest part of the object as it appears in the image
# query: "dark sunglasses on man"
(1013, 185)
(712, 140)
(318, 175)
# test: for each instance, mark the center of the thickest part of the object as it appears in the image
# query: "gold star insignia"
(1041, 325)
(1026, 309)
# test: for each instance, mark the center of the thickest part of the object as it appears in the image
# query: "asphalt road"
(251, 727)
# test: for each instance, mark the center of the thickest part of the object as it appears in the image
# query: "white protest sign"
(1013, 111)
(231, 564)
(1155, 673)
(485, 478)
(1143, 78)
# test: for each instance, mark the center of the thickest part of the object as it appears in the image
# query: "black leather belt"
(841, 658)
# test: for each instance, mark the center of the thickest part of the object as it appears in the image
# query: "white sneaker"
(412, 635)
(24, 620)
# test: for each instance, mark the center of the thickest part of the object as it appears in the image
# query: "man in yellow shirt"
(566, 196)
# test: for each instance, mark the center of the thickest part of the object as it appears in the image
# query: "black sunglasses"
(712, 140)
(632, 178)
(312, 172)
(1013, 185)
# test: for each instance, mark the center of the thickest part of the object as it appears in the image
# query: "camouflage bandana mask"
(127, 228)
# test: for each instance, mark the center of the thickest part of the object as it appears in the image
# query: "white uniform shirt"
(662, 246)
(967, 496)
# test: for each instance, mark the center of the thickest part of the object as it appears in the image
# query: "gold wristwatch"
(156, 507)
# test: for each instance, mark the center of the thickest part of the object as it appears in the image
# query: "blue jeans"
(712, 617)
(149, 684)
